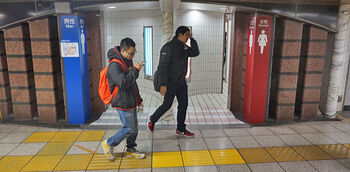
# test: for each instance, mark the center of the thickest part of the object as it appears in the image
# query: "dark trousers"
(178, 89)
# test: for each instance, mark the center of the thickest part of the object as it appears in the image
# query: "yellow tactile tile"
(197, 158)
(66, 136)
(43, 163)
(86, 136)
(284, 154)
(336, 151)
(55, 148)
(37, 137)
(100, 162)
(166, 159)
(311, 152)
(255, 155)
(226, 156)
(128, 163)
(13, 163)
(74, 162)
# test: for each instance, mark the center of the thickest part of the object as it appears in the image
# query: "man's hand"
(139, 65)
(163, 90)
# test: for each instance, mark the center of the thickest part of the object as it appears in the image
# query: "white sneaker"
(133, 153)
(108, 150)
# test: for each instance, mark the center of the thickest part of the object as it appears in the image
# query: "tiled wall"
(208, 30)
(121, 24)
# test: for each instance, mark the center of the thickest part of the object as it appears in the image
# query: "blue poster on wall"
(74, 54)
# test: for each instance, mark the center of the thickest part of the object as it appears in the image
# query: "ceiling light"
(112, 7)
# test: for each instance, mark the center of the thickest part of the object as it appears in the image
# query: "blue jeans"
(129, 129)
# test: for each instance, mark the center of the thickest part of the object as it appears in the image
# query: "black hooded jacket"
(128, 96)
(173, 60)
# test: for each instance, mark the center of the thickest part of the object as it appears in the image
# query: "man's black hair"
(181, 30)
(126, 43)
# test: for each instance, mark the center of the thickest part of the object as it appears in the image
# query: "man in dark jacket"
(172, 70)
(125, 99)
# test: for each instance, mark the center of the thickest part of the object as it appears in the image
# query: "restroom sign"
(258, 64)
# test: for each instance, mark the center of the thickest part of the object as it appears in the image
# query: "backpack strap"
(120, 62)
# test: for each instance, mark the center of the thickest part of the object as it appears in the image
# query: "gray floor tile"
(144, 135)
(339, 137)
(294, 140)
(26, 129)
(341, 125)
(304, 129)
(165, 145)
(2, 135)
(45, 129)
(233, 168)
(6, 148)
(325, 128)
(282, 130)
(236, 132)
(75, 149)
(178, 169)
(201, 169)
(297, 166)
(270, 141)
(164, 135)
(27, 149)
(244, 142)
(328, 166)
(15, 137)
(219, 143)
(265, 167)
(213, 133)
(187, 144)
(345, 162)
(318, 139)
(7, 128)
(260, 131)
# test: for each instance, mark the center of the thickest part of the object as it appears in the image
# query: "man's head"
(183, 33)
(127, 48)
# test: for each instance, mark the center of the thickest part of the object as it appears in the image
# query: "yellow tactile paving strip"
(166, 159)
(311, 153)
(226, 156)
(336, 151)
(86, 136)
(66, 136)
(74, 162)
(99, 162)
(53, 156)
(43, 163)
(55, 148)
(284, 154)
(256, 155)
(197, 158)
(13, 163)
(40, 137)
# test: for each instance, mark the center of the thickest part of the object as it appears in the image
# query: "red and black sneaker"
(185, 133)
(150, 125)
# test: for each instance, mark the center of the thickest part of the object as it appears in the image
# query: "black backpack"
(156, 82)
